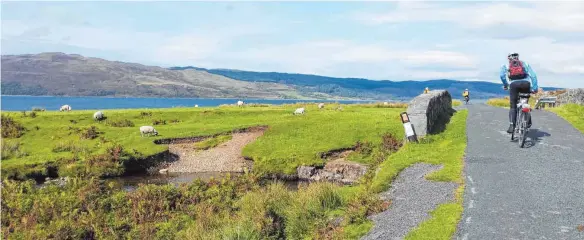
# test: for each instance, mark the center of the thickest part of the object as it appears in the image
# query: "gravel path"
(223, 158)
(535, 192)
(412, 199)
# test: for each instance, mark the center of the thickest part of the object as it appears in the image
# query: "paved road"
(532, 193)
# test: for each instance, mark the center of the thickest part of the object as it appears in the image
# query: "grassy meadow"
(64, 140)
(237, 207)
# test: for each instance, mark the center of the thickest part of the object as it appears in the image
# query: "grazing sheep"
(385, 103)
(196, 105)
(98, 116)
(320, 105)
(148, 130)
(65, 108)
(239, 103)
(299, 111)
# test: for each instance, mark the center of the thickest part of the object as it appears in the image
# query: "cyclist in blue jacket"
(522, 79)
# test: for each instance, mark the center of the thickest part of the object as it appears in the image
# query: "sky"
(408, 40)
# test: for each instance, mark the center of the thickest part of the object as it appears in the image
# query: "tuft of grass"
(212, 142)
(573, 113)
(38, 109)
(441, 225)
(120, 123)
(68, 147)
(11, 149)
(158, 122)
(11, 128)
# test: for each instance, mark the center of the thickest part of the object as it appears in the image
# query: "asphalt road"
(536, 192)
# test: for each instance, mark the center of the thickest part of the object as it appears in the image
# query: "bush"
(38, 109)
(33, 114)
(89, 133)
(174, 121)
(390, 143)
(11, 128)
(364, 148)
(108, 164)
(120, 123)
(145, 114)
(159, 122)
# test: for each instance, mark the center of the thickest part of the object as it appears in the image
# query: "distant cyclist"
(519, 74)
(466, 95)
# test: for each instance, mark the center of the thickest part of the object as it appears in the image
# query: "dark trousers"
(515, 88)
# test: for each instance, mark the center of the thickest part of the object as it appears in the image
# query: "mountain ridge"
(62, 74)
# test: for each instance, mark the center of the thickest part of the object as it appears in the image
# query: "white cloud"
(555, 16)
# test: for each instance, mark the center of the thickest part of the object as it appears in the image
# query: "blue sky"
(409, 40)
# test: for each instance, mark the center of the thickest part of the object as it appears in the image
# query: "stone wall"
(430, 112)
(575, 95)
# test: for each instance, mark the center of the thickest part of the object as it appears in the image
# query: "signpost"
(409, 128)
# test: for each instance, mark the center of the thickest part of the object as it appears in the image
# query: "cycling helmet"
(466, 89)
(513, 56)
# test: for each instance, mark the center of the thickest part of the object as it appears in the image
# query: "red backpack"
(516, 70)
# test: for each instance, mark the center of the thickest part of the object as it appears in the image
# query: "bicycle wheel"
(522, 130)
(515, 124)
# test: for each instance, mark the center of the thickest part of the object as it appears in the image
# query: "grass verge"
(573, 113)
(447, 149)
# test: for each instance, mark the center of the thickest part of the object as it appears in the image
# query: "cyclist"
(426, 90)
(519, 74)
(466, 94)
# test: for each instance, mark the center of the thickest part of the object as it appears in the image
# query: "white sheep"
(65, 108)
(196, 105)
(385, 103)
(148, 130)
(299, 111)
(98, 116)
(239, 103)
(320, 105)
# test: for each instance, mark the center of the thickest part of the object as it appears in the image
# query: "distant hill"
(359, 87)
(61, 74)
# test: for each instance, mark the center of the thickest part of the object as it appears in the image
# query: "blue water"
(20, 103)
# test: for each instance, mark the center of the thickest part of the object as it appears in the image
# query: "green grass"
(504, 102)
(289, 142)
(456, 103)
(213, 142)
(573, 113)
(498, 102)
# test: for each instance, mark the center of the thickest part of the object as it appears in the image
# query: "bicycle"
(466, 99)
(523, 115)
